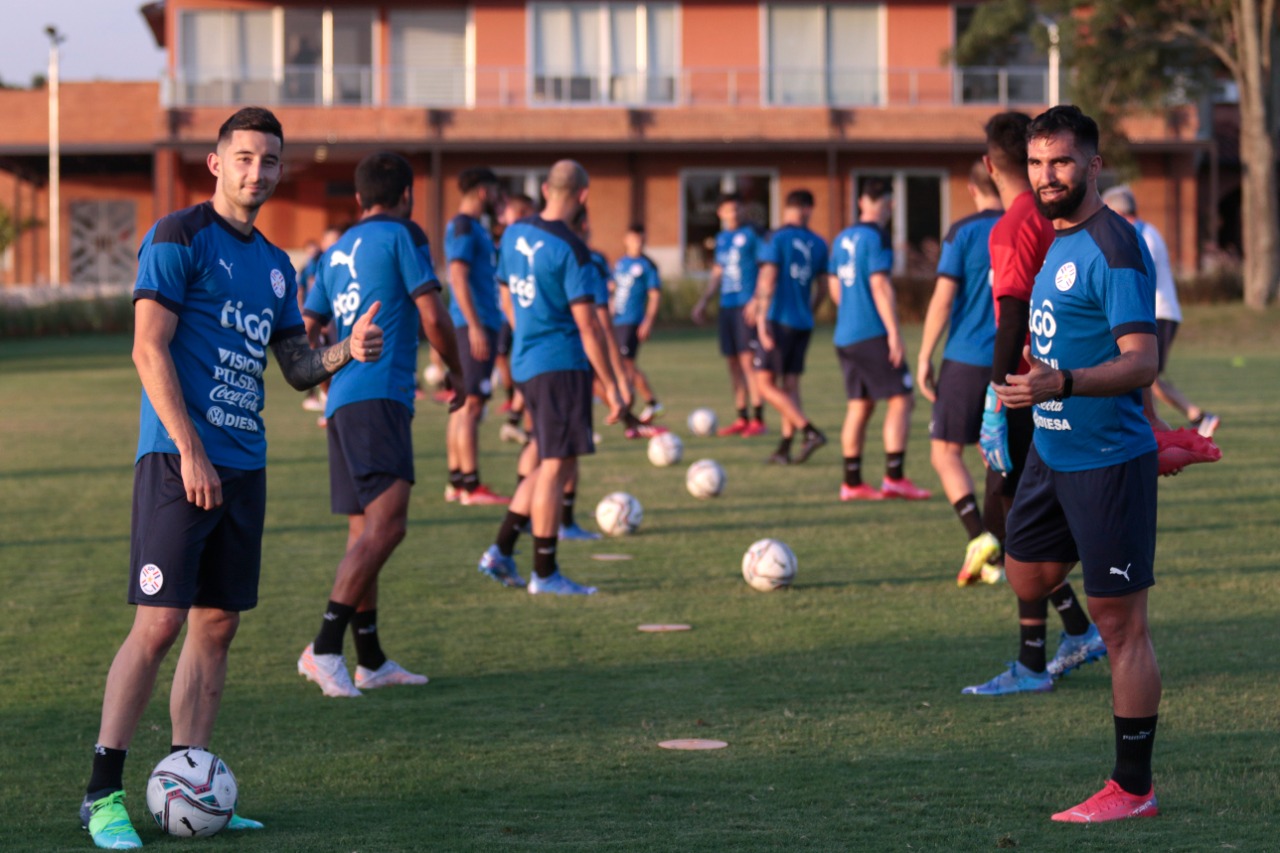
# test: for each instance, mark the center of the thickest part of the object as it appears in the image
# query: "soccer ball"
(665, 449)
(433, 375)
(769, 565)
(619, 514)
(705, 479)
(191, 793)
(702, 422)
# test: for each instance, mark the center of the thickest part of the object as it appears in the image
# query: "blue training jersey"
(801, 255)
(234, 295)
(380, 258)
(633, 278)
(740, 253)
(857, 253)
(605, 276)
(1096, 286)
(467, 240)
(966, 260)
(546, 268)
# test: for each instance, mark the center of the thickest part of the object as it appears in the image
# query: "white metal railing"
(517, 86)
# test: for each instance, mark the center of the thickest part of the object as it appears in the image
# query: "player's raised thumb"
(373, 309)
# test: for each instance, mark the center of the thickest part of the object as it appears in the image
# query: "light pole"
(55, 170)
(1055, 52)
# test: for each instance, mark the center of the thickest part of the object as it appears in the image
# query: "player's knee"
(1119, 622)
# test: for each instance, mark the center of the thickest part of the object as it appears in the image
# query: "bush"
(96, 315)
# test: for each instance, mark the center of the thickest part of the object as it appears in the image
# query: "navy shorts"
(559, 406)
(735, 335)
(504, 339)
(628, 339)
(962, 392)
(1105, 518)
(787, 356)
(183, 556)
(1166, 330)
(477, 376)
(370, 447)
(868, 375)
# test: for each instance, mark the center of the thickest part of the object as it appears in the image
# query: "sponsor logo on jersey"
(1043, 328)
(525, 289)
(256, 328)
(340, 258)
(226, 266)
(347, 304)
(219, 418)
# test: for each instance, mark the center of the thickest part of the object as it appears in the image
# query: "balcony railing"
(515, 86)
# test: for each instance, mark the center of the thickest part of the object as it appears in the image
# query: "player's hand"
(479, 342)
(896, 353)
(765, 337)
(993, 440)
(642, 333)
(201, 481)
(1040, 383)
(366, 336)
(699, 313)
(925, 380)
(454, 382)
(616, 408)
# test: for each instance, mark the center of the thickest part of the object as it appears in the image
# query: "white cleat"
(387, 675)
(328, 671)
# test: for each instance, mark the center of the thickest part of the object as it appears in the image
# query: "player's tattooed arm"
(304, 367)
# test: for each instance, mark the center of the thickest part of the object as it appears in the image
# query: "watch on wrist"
(1067, 383)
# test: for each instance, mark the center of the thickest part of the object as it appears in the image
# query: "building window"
(700, 192)
(920, 217)
(604, 53)
(278, 56)
(428, 57)
(824, 53)
(1016, 74)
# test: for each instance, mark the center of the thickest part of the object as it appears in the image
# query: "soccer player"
(740, 251)
(962, 305)
(783, 311)
(1089, 492)
(212, 296)
(1018, 243)
(549, 284)
(869, 346)
(517, 206)
(637, 294)
(313, 400)
(1168, 311)
(383, 259)
(477, 316)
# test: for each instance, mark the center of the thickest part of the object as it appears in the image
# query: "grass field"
(840, 699)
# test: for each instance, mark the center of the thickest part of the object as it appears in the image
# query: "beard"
(1064, 207)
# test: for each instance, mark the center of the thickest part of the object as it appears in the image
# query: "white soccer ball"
(619, 514)
(433, 375)
(702, 422)
(665, 449)
(705, 479)
(769, 565)
(191, 793)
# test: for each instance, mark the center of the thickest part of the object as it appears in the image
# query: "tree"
(1153, 53)
(11, 229)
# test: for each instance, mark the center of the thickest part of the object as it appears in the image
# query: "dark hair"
(875, 188)
(252, 118)
(382, 178)
(636, 228)
(469, 179)
(729, 197)
(1007, 140)
(1069, 118)
(981, 178)
(799, 198)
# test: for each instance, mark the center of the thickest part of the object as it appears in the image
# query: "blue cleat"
(1018, 679)
(558, 584)
(241, 823)
(575, 532)
(500, 568)
(108, 822)
(1075, 652)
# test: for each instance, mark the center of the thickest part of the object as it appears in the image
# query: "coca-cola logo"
(251, 400)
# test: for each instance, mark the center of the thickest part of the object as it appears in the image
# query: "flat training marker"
(693, 743)
(662, 629)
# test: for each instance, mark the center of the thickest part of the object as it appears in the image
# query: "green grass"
(839, 699)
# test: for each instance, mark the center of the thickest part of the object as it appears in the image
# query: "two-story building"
(666, 102)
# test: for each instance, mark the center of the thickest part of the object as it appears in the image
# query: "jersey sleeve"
(880, 254)
(318, 303)
(951, 260)
(500, 273)
(821, 259)
(164, 271)
(652, 281)
(459, 244)
(290, 315)
(765, 251)
(1128, 298)
(1021, 260)
(582, 281)
(416, 269)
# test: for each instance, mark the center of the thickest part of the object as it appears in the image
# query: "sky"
(105, 39)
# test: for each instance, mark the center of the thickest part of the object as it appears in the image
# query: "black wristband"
(1067, 382)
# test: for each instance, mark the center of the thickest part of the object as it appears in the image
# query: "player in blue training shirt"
(783, 313)
(382, 260)
(1088, 493)
(869, 346)
(637, 293)
(549, 294)
(962, 305)
(212, 296)
(477, 316)
(740, 251)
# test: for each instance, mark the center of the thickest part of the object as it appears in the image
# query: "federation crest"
(277, 283)
(739, 240)
(150, 579)
(1065, 278)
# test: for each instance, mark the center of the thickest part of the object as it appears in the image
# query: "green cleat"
(108, 822)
